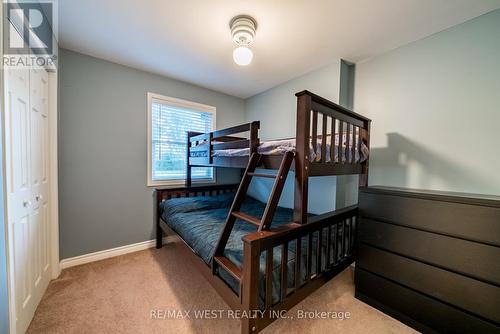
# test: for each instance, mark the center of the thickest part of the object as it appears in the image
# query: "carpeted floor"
(118, 295)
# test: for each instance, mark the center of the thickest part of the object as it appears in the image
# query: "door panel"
(18, 100)
(35, 229)
(18, 160)
(44, 126)
(39, 180)
(21, 237)
(27, 167)
(46, 239)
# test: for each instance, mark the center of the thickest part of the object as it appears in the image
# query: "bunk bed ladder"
(263, 223)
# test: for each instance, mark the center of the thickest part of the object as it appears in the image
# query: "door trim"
(3, 102)
(53, 175)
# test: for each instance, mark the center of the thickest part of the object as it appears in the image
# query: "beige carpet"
(117, 296)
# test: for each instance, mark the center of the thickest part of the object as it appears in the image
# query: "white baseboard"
(108, 253)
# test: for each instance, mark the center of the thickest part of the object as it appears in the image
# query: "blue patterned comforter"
(199, 222)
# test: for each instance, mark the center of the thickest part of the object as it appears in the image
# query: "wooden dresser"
(430, 259)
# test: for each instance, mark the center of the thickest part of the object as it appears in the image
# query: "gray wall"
(347, 76)
(347, 185)
(435, 108)
(276, 109)
(434, 105)
(104, 201)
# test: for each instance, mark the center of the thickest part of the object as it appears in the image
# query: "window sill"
(177, 183)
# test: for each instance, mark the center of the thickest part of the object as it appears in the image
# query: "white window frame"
(182, 104)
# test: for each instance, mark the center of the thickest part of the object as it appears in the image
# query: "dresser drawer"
(471, 222)
(479, 298)
(430, 259)
(469, 258)
(415, 309)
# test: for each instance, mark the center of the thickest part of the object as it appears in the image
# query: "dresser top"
(436, 195)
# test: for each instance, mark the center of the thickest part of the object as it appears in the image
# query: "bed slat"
(298, 254)
(232, 144)
(354, 228)
(229, 138)
(347, 142)
(328, 245)
(309, 255)
(332, 142)
(269, 277)
(318, 252)
(342, 249)
(231, 130)
(349, 241)
(335, 242)
(323, 138)
(346, 238)
(349, 249)
(314, 125)
(353, 148)
(284, 270)
(341, 139)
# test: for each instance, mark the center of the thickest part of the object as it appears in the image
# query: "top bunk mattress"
(281, 146)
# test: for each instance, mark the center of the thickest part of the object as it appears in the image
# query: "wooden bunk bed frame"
(339, 226)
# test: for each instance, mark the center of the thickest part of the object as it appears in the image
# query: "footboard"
(323, 247)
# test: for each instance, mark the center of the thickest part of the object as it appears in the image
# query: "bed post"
(254, 136)
(365, 137)
(156, 217)
(188, 166)
(250, 285)
(302, 157)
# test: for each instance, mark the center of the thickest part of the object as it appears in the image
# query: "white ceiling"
(190, 39)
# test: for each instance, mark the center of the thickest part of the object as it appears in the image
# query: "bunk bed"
(261, 258)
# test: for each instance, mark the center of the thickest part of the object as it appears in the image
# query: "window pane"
(169, 135)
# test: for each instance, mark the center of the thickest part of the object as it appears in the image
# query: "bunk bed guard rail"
(201, 145)
(322, 124)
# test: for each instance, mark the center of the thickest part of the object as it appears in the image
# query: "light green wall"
(276, 109)
(435, 107)
(104, 201)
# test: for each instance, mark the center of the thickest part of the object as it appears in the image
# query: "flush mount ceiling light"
(243, 29)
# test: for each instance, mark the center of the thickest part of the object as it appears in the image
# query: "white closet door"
(26, 138)
(39, 180)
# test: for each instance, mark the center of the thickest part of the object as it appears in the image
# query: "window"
(169, 120)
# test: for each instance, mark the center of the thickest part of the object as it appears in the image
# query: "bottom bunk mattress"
(199, 222)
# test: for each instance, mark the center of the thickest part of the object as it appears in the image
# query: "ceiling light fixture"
(243, 29)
